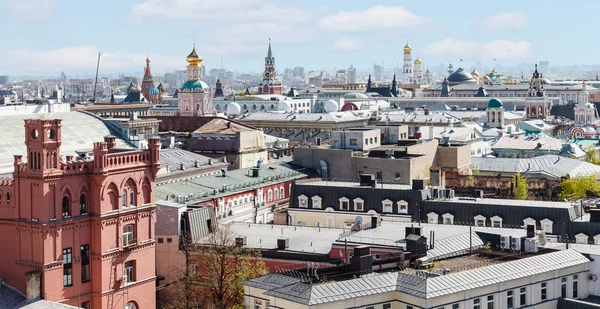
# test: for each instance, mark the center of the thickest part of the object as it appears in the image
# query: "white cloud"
(83, 59)
(346, 45)
(374, 19)
(473, 50)
(504, 21)
(203, 10)
(31, 10)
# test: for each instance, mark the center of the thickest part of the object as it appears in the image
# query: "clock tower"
(270, 83)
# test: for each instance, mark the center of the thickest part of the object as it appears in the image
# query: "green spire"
(269, 53)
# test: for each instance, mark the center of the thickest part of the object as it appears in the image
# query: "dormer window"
(344, 204)
(302, 201)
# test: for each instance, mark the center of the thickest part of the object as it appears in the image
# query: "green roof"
(192, 85)
(495, 103)
(206, 188)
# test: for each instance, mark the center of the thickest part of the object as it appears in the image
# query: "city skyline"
(310, 34)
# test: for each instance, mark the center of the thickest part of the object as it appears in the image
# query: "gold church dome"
(417, 61)
(193, 59)
(407, 48)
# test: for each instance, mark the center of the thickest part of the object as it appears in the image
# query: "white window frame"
(342, 201)
(402, 203)
(528, 221)
(269, 195)
(547, 225)
(302, 198)
(479, 218)
(358, 201)
(432, 218)
(581, 238)
(494, 220)
(276, 195)
(317, 200)
(450, 218)
(387, 203)
(281, 192)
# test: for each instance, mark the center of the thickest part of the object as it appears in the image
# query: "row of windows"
(354, 141)
(66, 206)
(358, 204)
(279, 194)
(480, 220)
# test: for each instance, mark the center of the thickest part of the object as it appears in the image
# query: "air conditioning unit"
(515, 243)
(531, 245)
(592, 277)
(504, 242)
(124, 280)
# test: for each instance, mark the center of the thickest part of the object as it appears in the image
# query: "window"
(366, 141)
(370, 307)
(563, 287)
(316, 200)
(124, 199)
(161, 240)
(8, 198)
(402, 207)
(85, 305)
(387, 208)
(85, 263)
(387, 306)
(302, 201)
(432, 218)
(82, 205)
(455, 306)
(169, 240)
(276, 194)
(270, 194)
(448, 218)
(67, 267)
(257, 304)
(359, 204)
(409, 307)
(132, 196)
(510, 300)
(281, 193)
(523, 296)
(490, 302)
(479, 220)
(496, 221)
(129, 271)
(128, 235)
(544, 291)
(344, 204)
(66, 210)
(476, 303)
(353, 142)
(575, 286)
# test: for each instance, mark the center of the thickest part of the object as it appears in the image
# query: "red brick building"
(80, 231)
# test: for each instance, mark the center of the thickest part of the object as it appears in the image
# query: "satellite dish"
(358, 220)
(173, 196)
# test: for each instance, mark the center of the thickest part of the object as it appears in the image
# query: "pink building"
(80, 231)
(194, 95)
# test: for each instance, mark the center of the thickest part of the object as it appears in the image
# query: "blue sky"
(48, 36)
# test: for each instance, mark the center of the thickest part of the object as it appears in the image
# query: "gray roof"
(426, 288)
(174, 157)
(528, 142)
(79, 131)
(10, 298)
(554, 165)
(306, 117)
(203, 188)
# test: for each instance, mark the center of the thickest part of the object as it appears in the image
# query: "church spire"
(269, 53)
(147, 73)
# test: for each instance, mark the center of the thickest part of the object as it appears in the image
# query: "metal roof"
(209, 187)
(307, 117)
(10, 298)
(421, 287)
(555, 165)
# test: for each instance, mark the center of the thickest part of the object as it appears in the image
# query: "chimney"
(362, 261)
(283, 243)
(33, 284)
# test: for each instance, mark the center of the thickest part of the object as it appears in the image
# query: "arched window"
(8, 198)
(282, 192)
(66, 209)
(82, 205)
(276, 194)
(124, 198)
(132, 196)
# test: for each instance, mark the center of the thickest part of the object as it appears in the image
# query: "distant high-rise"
(544, 67)
(299, 72)
(4, 80)
(377, 72)
(351, 73)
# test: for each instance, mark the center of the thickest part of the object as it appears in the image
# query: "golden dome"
(494, 71)
(193, 59)
(583, 84)
(417, 61)
(485, 78)
(475, 74)
(407, 48)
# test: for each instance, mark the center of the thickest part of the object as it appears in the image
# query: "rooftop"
(205, 188)
(425, 288)
(10, 298)
(350, 184)
(308, 117)
(220, 126)
(507, 202)
(528, 142)
(79, 131)
(554, 165)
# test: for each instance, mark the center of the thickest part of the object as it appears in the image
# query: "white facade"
(356, 139)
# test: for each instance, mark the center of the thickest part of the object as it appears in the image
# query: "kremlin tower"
(194, 95)
(270, 83)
